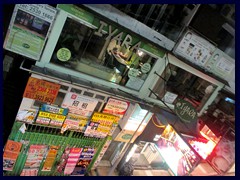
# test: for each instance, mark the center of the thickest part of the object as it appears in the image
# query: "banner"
(29, 29)
(41, 90)
(78, 104)
(10, 154)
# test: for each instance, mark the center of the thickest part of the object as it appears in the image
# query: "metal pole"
(124, 149)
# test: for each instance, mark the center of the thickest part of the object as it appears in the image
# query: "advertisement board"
(180, 158)
(10, 155)
(194, 48)
(29, 28)
(78, 104)
(41, 90)
(221, 64)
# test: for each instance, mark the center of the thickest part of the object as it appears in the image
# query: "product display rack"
(46, 135)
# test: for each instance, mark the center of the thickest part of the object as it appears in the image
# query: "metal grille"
(42, 135)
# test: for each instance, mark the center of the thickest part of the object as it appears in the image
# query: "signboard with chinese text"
(41, 90)
(78, 104)
(100, 124)
(10, 155)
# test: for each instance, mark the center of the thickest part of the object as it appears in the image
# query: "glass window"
(80, 49)
(175, 83)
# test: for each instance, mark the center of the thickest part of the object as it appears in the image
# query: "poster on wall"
(100, 125)
(117, 108)
(49, 161)
(41, 90)
(27, 115)
(72, 160)
(223, 155)
(29, 28)
(220, 64)
(75, 122)
(10, 155)
(78, 104)
(36, 153)
(194, 48)
(84, 161)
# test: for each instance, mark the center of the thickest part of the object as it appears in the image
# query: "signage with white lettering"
(185, 111)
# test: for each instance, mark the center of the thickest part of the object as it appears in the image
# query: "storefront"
(68, 127)
(92, 92)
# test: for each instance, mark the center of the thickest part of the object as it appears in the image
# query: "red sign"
(10, 154)
(41, 90)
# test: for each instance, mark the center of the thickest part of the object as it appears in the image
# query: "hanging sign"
(29, 29)
(78, 104)
(10, 154)
(185, 111)
(41, 90)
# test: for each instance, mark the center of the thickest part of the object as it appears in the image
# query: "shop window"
(80, 48)
(100, 97)
(37, 104)
(64, 87)
(74, 90)
(175, 83)
(98, 107)
(88, 94)
(58, 100)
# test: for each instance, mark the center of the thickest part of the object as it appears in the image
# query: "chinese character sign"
(78, 104)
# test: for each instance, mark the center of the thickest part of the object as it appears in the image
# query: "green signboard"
(89, 17)
(77, 11)
(185, 111)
